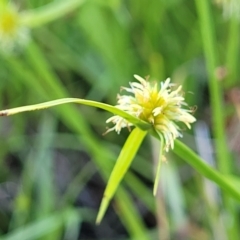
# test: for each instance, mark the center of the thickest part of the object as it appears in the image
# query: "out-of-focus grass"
(54, 164)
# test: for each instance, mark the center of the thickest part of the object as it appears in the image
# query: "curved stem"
(136, 121)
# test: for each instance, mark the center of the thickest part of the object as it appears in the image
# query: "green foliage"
(54, 164)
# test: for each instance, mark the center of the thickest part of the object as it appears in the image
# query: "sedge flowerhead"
(12, 33)
(158, 104)
(231, 8)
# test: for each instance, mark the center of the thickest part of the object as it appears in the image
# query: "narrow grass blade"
(44, 226)
(123, 162)
(216, 95)
(131, 218)
(157, 178)
(139, 123)
(140, 190)
(206, 170)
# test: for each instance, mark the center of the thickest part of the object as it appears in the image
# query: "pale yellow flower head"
(12, 33)
(157, 104)
(231, 8)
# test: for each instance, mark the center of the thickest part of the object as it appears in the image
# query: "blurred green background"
(54, 163)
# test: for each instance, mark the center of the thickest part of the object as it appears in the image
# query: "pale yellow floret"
(231, 8)
(157, 104)
(12, 33)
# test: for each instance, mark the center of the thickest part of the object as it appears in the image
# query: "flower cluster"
(12, 33)
(160, 106)
(231, 8)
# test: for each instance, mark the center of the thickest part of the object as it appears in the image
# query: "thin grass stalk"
(132, 220)
(216, 101)
(161, 214)
(216, 95)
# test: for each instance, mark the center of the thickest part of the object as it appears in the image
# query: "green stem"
(216, 99)
(136, 121)
(49, 12)
(209, 47)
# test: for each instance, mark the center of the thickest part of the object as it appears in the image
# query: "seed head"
(157, 104)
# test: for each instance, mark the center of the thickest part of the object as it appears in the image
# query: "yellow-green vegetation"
(69, 59)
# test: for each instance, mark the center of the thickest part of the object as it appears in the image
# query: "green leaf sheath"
(216, 94)
(124, 160)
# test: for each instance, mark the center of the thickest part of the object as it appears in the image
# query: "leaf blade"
(124, 160)
(136, 121)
